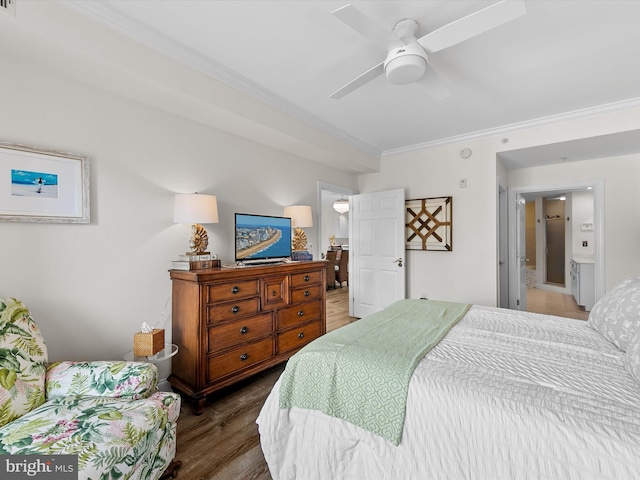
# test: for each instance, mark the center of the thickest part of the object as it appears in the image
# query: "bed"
(504, 394)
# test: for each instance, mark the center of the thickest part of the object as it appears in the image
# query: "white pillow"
(632, 358)
(617, 314)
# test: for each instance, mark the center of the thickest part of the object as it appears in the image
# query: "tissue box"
(147, 344)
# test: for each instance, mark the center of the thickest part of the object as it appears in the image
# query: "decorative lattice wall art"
(429, 223)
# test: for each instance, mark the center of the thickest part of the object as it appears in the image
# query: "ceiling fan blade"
(360, 81)
(472, 25)
(366, 27)
(436, 87)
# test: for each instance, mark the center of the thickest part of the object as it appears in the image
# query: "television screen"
(262, 238)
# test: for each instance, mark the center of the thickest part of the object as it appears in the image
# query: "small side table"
(170, 349)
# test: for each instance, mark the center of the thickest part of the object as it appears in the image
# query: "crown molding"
(158, 41)
(613, 107)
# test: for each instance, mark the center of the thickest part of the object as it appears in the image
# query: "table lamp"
(196, 209)
(301, 217)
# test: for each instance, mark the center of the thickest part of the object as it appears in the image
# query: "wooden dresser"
(230, 323)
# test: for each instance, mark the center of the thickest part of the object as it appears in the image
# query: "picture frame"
(429, 224)
(43, 186)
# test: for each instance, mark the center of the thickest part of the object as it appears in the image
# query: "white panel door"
(377, 250)
(518, 294)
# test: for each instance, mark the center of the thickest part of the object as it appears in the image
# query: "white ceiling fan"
(406, 60)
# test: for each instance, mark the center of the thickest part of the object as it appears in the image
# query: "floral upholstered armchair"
(110, 414)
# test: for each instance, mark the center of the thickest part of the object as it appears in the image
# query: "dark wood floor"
(223, 442)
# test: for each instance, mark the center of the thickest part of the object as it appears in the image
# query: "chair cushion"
(114, 438)
(617, 314)
(101, 379)
(23, 361)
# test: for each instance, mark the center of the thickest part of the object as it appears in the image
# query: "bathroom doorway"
(555, 245)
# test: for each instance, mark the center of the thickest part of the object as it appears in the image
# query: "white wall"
(91, 286)
(582, 212)
(469, 272)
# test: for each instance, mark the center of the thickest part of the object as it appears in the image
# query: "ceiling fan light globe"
(405, 69)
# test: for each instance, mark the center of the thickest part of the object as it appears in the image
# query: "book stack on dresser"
(195, 262)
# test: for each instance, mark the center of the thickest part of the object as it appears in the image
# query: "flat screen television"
(262, 238)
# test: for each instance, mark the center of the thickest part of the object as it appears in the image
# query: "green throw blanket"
(361, 372)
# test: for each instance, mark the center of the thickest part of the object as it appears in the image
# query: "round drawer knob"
(306, 293)
(235, 309)
(273, 293)
(244, 330)
(301, 335)
(306, 278)
(244, 356)
(235, 289)
(300, 313)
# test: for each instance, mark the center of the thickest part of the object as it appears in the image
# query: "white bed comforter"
(505, 395)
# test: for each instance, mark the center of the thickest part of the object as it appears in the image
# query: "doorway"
(334, 225)
(555, 246)
(547, 223)
(517, 285)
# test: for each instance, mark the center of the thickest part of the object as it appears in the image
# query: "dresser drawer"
(275, 292)
(303, 294)
(297, 314)
(241, 331)
(298, 337)
(238, 359)
(232, 310)
(302, 279)
(223, 292)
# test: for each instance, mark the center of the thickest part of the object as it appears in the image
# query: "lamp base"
(199, 240)
(299, 241)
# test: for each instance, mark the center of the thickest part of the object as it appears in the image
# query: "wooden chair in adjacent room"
(331, 268)
(343, 268)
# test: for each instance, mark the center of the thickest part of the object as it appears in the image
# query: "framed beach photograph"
(46, 186)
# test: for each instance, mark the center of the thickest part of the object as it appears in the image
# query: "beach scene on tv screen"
(262, 237)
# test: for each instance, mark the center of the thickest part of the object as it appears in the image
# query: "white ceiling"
(562, 56)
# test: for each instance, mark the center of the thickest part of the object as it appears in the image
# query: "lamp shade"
(195, 208)
(300, 215)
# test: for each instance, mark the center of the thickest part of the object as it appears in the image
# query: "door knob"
(398, 261)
